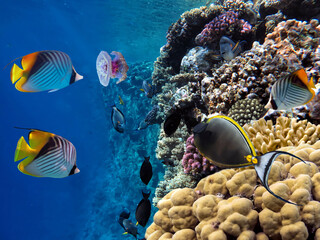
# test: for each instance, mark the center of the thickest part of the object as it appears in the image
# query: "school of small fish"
(49, 155)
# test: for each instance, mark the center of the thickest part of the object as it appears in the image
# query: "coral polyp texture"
(227, 23)
(232, 203)
(193, 162)
(267, 137)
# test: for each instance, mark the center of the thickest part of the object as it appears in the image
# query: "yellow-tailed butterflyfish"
(291, 91)
(226, 144)
(48, 70)
(47, 155)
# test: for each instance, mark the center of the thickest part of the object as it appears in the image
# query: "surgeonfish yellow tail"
(16, 73)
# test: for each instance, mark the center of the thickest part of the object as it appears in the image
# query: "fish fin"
(263, 168)
(302, 75)
(38, 138)
(16, 73)
(29, 60)
(78, 76)
(21, 167)
(53, 90)
(23, 150)
(147, 159)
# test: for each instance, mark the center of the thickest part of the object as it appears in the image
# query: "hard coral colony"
(232, 203)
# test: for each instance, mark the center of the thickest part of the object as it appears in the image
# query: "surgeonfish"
(143, 210)
(107, 68)
(226, 144)
(229, 49)
(44, 71)
(118, 120)
(146, 171)
(147, 88)
(47, 155)
(291, 91)
(130, 228)
(186, 113)
(125, 214)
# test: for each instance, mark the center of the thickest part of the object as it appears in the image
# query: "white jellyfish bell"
(107, 68)
(104, 68)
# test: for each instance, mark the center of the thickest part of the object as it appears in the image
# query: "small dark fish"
(143, 209)
(146, 171)
(229, 49)
(147, 89)
(291, 91)
(172, 122)
(125, 214)
(130, 228)
(118, 120)
(168, 162)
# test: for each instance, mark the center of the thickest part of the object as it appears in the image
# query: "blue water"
(83, 206)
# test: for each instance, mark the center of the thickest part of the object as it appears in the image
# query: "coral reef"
(232, 203)
(245, 110)
(227, 23)
(194, 163)
(174, 177)
(252, 73)
(267, 137)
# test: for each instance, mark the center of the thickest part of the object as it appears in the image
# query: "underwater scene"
(159, 120)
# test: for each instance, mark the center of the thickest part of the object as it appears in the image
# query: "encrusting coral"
(243, 111)
(231, 203)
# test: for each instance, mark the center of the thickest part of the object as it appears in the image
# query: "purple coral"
(224, 24)
(193, 162)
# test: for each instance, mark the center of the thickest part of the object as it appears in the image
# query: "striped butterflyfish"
(226, 144)
(291, 91)
(44, 71)
(47, 155)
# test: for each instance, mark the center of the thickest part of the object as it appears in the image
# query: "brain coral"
(232, 204)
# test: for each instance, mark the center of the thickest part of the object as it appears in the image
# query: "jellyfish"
(107, 68)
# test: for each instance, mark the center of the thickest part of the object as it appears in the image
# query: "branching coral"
(193, 162)
(287, 132)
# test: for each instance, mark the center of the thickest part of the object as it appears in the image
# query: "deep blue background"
(42, 208)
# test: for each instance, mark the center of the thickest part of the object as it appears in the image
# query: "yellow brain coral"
(231, 203)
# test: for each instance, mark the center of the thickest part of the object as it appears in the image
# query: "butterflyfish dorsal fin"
(29, 60)
(263, 167)
(38, 138)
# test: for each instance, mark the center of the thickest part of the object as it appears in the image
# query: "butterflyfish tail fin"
(23, 150)
(16, 73)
